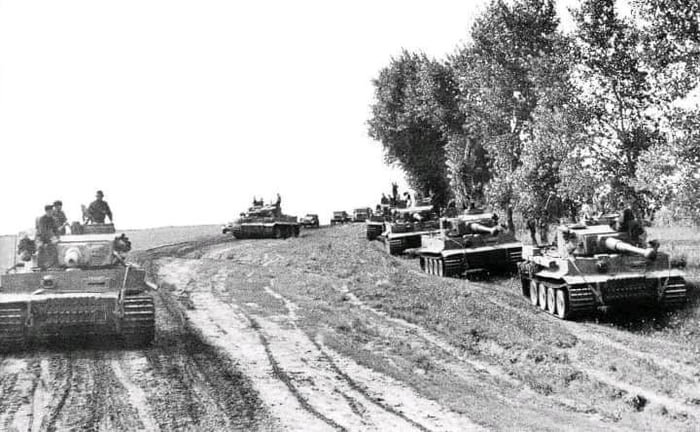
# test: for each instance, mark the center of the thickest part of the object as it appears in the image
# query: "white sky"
(181, 111)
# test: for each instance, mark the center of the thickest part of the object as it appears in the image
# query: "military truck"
(81, 285)
(263, 221)
(471, 245)
(340, 218)
(309, 221)
(593, 266)
(361, 214)
(407, 226)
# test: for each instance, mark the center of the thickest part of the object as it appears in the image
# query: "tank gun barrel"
(478, 228)
(617, 245)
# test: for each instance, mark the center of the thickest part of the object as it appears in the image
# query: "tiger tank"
(376, 222)
(469, 245)
(594, 266)
(80, 285)
(264, 221)
(406, 227)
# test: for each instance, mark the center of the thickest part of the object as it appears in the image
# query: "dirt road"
(327, 332)
(179, 383)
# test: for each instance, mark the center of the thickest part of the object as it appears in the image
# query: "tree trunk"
(509, 218)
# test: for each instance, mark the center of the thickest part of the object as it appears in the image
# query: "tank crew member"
(99, 209)
(60, 217)
(46, 234)
(407, 198)
(627, 223)
(532, 227)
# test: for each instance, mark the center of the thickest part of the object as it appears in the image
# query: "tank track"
(576, 299)
(439, 266)
(373, 231)
(138, 323)
(395, 246)
(581, 299)
(12, 328)
(675, 293)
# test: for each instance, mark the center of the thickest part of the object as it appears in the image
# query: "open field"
(326, 332)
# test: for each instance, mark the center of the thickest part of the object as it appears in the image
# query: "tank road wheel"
(296, 231)
(562, 299)
(421, 263)
(542, 295)
(440, 267)
(278, 232)
(533, 293)
(551, 300)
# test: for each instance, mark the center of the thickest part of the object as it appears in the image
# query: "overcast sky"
(181, 111)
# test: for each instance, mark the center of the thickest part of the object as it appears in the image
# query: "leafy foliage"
(413, 112)
(533, 120)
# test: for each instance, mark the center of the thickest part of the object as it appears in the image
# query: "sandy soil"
(327, 332)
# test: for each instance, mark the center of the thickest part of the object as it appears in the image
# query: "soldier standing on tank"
(46, 235)
(627, 223)
(532, 227)
(98, 209)
(60, 217)
(278, 206)
(407, 197)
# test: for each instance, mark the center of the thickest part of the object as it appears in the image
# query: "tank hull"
(573, 296)
(107, 302)
(498, 258)
(261, 230)
(397, 243)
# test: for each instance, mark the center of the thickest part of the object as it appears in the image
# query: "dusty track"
(327, 332)
(355, 340)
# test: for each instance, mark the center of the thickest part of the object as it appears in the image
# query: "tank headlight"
(48, 282)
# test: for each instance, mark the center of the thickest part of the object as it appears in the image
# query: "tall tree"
(414, 110)
(631, 71)
(498, 91)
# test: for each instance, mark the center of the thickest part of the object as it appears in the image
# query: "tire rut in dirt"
(90, 396)
(282, 376)
(204, 387)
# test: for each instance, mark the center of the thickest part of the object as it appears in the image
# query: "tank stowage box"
(85, 288)
(468, 245)
(263, 222)
(595, 266)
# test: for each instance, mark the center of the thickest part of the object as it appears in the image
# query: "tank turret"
(581, 240)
